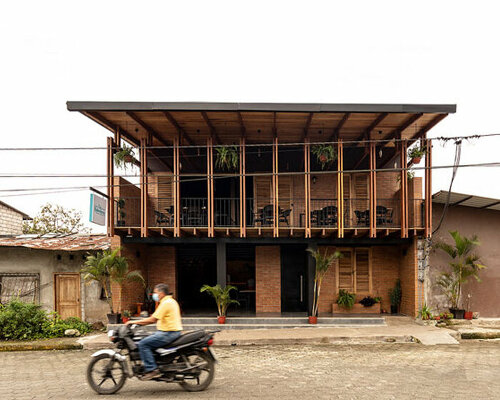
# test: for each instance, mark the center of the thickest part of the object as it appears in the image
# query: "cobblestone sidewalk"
(390, 371)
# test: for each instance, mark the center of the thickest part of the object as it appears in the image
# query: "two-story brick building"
(235, 193)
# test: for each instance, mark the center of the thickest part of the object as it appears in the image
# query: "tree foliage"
(222, 296)
(463, 265)
(54, 218)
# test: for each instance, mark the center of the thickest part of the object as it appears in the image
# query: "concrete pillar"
(221, 263)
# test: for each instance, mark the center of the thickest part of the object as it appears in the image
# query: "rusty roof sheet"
(58, 242)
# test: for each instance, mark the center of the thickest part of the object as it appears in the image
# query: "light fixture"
(380, 153)
(314, 179)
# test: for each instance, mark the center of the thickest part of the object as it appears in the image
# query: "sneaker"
(151, 375)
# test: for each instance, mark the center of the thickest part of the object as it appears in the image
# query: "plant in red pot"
(468, 313)
(126, 316)
(463, 265)
(222, 297)
(415, 154)
(325, 154)
(125, 157)
(323, 262)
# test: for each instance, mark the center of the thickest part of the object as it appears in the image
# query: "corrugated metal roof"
(467, 200)
(58, 242)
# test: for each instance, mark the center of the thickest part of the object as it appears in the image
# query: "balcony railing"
(259, 213)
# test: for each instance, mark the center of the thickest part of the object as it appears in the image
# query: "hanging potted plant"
(124, 157)
(227, 158)
(222, 297)
(415, 154)
(323, 263)
(325, 154)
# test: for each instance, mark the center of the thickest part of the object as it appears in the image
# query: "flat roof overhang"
(260, 122)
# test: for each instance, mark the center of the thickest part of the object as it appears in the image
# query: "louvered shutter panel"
(165, 192)
(362, 271)
(345, 271)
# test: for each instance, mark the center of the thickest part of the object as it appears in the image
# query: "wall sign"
(97, 209)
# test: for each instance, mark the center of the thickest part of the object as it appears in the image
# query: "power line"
(440, 138)
(203, 177)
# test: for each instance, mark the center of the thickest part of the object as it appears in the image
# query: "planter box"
(357, 309)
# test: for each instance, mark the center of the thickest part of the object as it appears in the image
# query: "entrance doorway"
(67, 295)
(240, 268)
(196, 266)
(294, 293)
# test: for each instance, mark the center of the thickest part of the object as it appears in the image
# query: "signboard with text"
(97, 209)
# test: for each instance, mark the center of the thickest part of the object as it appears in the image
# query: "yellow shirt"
(168, 314)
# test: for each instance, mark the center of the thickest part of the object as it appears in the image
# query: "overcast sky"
(236, 51)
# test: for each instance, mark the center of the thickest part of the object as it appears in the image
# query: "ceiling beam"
(337, 129)
(147, 127)
(431, 124)
(366, 134)
(306, 127)
(491, 204)
(242, 125)
(456, 203)
(212, 129)
(405, 125)
(96, 117)
(275, 130)
(179, 129)
(365, 154)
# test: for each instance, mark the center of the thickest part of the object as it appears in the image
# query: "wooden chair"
(283, 216)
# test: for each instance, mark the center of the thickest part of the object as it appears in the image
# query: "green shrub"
(346, 299)
(28, 321)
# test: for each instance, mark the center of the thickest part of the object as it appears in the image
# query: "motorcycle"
(188, 361)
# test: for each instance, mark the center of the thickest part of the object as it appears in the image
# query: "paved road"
(390, 371)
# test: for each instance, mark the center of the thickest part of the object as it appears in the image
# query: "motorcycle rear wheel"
(102, 369)
(206, 372)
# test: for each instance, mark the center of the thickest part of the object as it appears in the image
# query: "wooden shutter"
(262, 191)
(347, 201)
(362, 271)
(284, 192)
(345, 271)
(165, 191)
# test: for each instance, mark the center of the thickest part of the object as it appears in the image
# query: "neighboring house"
(192, 221)
(11, 220)
(470, 215)
(46, 269)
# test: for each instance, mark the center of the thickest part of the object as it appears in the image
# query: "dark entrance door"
(293, 278)
(196, 266)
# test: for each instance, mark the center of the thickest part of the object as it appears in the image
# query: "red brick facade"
(408, 273)
(267, 279)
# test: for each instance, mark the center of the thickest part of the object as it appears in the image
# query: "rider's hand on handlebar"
(130, 323)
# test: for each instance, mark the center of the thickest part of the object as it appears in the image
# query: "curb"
(39, 346)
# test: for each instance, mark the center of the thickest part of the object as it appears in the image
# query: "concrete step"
(208, 323)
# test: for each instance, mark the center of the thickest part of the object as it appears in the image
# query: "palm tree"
(323, 263)
(119, 273)
(464, 264)
(221, 295)
(96, 269)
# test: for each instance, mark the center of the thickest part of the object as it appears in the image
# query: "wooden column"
(307, 187)
(144, 188)
(404, 189)
(243, 206)
(177, 194)
(340, 189)
(210, 187)
(373, 191)
(275, 188)
(110, 187)
(428, 187)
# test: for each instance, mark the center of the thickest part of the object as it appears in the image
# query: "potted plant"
(227, 157)
(415, 154)
(124, 157)
(120, 205)
(468, 313)
(126, 316)
(425, 313)
(222, 296)
(325, 154)
(463, 265)
(345, 299)
(368, 301)
(323, 262)
(395, 295)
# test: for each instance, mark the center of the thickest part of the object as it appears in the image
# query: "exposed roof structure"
(466, 200)
(259, 122)
(58, 242)
(25, 216)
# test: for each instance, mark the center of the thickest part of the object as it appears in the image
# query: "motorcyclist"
(169, 326)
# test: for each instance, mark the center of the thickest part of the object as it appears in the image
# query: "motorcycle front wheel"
(106, 375)
(202, 374)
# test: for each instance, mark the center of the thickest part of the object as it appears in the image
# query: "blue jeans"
(152, 342)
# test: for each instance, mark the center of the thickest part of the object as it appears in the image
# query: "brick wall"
(328, 294)
(131, 194)
(385, 272)
(267, 279)
(408, 272)
(11, 222)
(161, 267)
